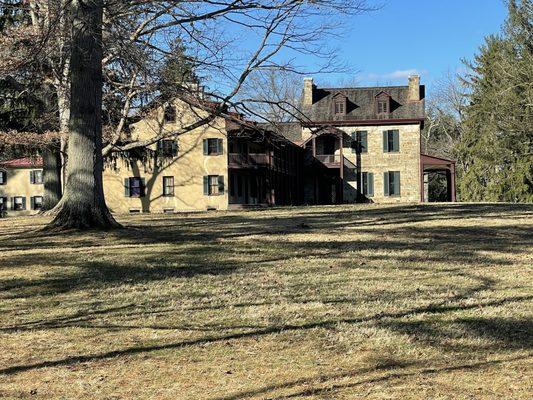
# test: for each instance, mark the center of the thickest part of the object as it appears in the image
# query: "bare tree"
(136, 35)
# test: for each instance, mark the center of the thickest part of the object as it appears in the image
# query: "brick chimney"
(414, 88)
(307, 100)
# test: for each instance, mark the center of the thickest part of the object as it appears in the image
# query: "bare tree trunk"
(51, 177)
(83, 205)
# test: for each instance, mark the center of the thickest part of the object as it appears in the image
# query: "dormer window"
(383, 106)
(382, 103)
(339, 105)
(170, 113)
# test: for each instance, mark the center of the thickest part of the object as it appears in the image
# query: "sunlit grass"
(410, 302)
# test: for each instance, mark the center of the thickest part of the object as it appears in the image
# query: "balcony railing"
(329, 159)
(247, 160)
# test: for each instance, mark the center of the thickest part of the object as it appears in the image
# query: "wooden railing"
(252, 159)
(329, 159)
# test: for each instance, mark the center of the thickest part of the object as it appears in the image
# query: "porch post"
(341, 188)
(422, 187)
(452, 179)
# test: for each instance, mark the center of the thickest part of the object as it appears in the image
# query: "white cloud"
(399, 75)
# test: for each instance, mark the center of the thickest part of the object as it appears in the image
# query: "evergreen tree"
(496, 149)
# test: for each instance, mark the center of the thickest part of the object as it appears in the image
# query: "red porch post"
(452, 182)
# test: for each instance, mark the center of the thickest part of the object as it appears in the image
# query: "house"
(227, 163)
(363, 145)
(21, 186)
(356, 145)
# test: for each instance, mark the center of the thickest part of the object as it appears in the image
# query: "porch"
(437, 179)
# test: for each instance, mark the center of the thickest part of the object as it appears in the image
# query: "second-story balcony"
(237, 160)
(330, 160)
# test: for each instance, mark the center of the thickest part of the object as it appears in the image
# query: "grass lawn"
(374, 302)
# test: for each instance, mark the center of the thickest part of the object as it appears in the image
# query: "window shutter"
(24, 203)
(385, 141)
(12, 203)
(386, 183)
(370, 178)
(206, 147)
(221, 184)
(159, 146)
(32, 177)
(396, 140)
(363, 142)
(143, 187)
(206, 185)
(354, 142)
(127, 187)
(220, 146)
(174, 148)
(32, 202)
(397, 183)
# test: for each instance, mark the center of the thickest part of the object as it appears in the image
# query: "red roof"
(26, 162)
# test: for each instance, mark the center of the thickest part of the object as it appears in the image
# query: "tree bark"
(83, 205)
(51, 177)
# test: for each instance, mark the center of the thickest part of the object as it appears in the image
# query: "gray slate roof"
(361, 104)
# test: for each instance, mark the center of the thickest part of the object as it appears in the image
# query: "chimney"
(414, 88)
(307, 100)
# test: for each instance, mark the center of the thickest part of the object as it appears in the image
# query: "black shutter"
(32, 202)
(206, 147)
(12, 203)
(386, 183)
(24, 203)
(370, 185)
(160, 147)
(221, 184)
(354, 143)
(385, 141)
(362, 141)
(127, 192)
(32, 177)
(174, 148)
(396, 140)
(143, 187)
(397, 183)
(220, 146)
(206, 185)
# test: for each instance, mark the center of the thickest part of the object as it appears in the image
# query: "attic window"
(383, 106)
(382, 103)
(340, 106)
(170, 113)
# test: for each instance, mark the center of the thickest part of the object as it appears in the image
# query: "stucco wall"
(188, 169)
(18, 184)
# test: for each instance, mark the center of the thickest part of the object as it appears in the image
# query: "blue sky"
(425, 36)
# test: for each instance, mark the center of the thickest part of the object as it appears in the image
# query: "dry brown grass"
(375, 302)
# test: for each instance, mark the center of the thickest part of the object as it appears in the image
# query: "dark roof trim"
(438, 160)
(365, 122)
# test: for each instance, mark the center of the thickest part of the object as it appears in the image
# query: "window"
(134, 187)
(170, 113)
(36, 202)
(391, 141)
(168, 186)
(383, 106)
(360, 142)
(36, 177)
(3, 177)
(340, 106)
(19, 203)
(391, 183)
(367, 184)
(213, 185)
(213, 147)
(167, 148)
(3, 203)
